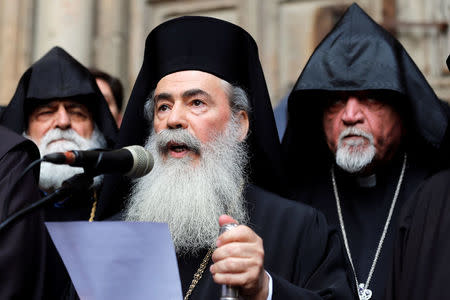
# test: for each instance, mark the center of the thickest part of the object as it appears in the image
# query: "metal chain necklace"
(198, 274)
(364, 292)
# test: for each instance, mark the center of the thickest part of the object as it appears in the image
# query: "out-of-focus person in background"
(364, 130)
(112, 90)
(58, 105)
(280, 113)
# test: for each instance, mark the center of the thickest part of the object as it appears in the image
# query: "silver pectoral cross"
(363, 293)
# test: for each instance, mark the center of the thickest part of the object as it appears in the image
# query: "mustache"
(354, 131)
(167, 138)
(55, 134)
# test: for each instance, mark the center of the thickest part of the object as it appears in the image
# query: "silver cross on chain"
(364, 294)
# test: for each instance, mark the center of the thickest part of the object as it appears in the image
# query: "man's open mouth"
(176, 147)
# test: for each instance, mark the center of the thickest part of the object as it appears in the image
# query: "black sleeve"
(421, 268)
(321, 260)
(22, 243)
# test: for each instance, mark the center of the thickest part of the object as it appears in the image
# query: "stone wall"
(110, 34)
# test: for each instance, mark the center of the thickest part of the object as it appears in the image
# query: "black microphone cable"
(76, 183)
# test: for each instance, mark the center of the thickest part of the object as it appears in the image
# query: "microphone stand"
(75, 184)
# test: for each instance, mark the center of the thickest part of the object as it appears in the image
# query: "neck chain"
(363, 288)
(198, 275)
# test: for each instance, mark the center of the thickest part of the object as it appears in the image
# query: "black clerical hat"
(58, 75)
(219, 48)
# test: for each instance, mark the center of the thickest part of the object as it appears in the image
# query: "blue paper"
(118, 260)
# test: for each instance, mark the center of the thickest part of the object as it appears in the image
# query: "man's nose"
(62, 119)
(177, 117)
(352, 111)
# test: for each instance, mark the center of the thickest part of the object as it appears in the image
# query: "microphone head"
(142, 161)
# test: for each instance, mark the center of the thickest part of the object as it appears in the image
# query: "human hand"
(239, 261)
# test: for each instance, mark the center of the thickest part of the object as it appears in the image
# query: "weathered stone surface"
(110, 34)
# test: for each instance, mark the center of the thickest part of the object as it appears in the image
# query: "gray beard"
(51, 175)
(353, 156)
(191, 197)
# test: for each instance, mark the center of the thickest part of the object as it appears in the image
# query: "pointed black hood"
(216, 47)
(58, 75)
(358, 54)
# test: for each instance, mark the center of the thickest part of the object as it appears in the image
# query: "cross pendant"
(363, 293)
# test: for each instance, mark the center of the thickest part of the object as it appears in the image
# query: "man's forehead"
(380, 95)
(65, 102)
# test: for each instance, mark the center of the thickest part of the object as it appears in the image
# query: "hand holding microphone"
(239, 261)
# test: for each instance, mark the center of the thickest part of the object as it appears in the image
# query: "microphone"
(228, 292)
(132, 161)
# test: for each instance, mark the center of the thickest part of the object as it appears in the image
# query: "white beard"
(191, 197)
(51, 175)
(353, 155)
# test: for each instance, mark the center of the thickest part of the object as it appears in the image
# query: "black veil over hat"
(358, 54)
(58, 75)
(216, 47)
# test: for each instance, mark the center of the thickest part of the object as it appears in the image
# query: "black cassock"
(422, 248)
(364, 211)
(22, 243)
(57, 75)
(303, 257)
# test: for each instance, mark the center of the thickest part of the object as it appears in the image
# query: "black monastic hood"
(216, 47)
(448, 62)
(58, 75)
(358, 54)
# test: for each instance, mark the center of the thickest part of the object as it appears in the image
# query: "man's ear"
(245, 123)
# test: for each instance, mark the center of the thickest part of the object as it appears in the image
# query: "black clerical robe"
(303, 257)
(422, 249)
(23, 242)
(359, 55)
(57, 75)
(365, 211)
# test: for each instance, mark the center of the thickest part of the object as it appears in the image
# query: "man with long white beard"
(213, 183)
(213, 143)
(374, 130)
(58, 105)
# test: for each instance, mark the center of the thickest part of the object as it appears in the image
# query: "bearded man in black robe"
(201, 106)
(421, 268)
(23, 242)
(364, 130)
(58, 106)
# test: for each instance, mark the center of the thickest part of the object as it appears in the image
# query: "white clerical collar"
(367, 181)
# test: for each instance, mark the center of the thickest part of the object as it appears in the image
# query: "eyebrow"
(75, 105)
(186, 94)
(195, 92)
